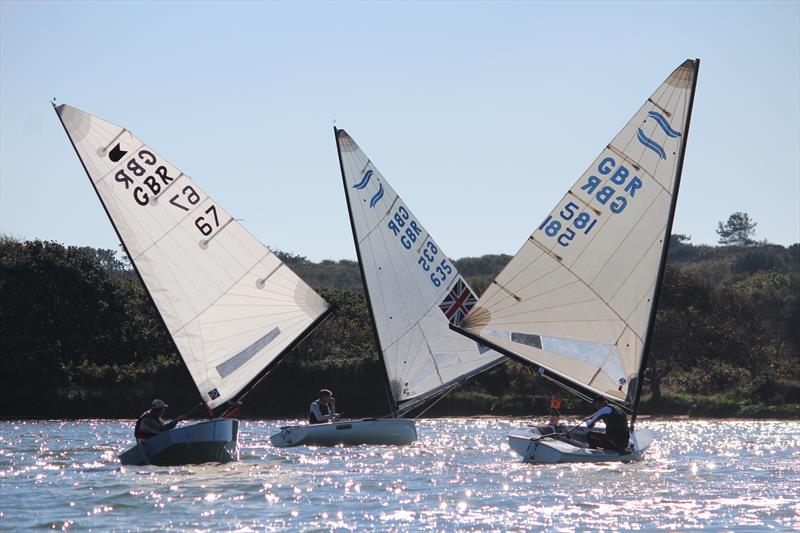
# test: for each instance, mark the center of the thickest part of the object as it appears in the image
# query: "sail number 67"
(204, 225)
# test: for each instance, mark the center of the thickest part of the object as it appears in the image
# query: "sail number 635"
(428, 262)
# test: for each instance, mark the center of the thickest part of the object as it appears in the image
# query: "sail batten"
(585, 283)
(220, 293)
(413, 290)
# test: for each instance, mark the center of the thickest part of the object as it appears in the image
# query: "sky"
(481, 115)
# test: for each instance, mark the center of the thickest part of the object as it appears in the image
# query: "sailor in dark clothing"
(152, 421)
(617, 435)
(323, 409)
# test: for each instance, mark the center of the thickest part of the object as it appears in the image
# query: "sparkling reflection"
(461, 474)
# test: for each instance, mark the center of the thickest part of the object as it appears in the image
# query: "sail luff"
(665, 249)
(387, 382)
(122, 242)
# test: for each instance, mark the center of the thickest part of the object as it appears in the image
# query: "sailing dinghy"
(414, 293)
(231, 307)
(578, 300)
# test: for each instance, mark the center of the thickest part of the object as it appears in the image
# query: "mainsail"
(578, 299)
(414, 291)
(231, 306)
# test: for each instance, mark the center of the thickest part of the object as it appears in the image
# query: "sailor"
(152, 421)
(323, 409)
(616, 435)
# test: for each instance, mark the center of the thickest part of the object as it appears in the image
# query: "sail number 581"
(583, 222)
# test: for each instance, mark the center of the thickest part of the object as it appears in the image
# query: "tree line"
(79, 337)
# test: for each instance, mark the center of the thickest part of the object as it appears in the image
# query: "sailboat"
(414, 292)
(231, 307)
(578, 300)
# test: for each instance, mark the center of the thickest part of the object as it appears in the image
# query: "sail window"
(234, 363)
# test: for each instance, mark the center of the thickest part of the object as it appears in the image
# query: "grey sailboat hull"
(374, 431)
(534, 448)
(213, 441)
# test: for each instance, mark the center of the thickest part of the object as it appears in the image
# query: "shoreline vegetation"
(80, 339)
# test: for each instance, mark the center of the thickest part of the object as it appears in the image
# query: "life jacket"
(616, 423)
(137, 430)
(312, 418)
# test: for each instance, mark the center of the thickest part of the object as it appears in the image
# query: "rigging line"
(439, 399)
(430, 351)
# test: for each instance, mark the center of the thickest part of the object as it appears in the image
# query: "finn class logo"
(377, 196)
(364, 181)
(116, 153)
(363, 185)
(650, 143)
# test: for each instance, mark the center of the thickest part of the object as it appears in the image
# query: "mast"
(267, 369)
(122, 242)
(392, 401)
(664, 250)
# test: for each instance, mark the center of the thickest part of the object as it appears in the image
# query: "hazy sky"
(481, 115)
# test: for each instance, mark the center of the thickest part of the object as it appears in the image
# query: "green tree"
(738, 230)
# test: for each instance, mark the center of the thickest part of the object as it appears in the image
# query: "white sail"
(576, 299)
(413, 288)
(231, 306)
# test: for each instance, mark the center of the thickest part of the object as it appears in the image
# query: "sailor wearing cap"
(152, 421)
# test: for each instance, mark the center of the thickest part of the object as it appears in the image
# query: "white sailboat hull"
(213, 441)
(375, 431)
(533, 447)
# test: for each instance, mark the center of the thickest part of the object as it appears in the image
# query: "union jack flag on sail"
(458, 302)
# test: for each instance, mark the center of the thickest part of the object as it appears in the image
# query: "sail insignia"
(578, 298)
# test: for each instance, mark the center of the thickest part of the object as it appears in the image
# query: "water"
(460, 475)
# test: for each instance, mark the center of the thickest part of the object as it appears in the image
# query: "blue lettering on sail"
(614, 190)
(408, 232)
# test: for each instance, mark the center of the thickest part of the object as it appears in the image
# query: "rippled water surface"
(460, 475)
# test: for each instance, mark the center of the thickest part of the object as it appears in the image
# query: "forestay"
(577, 298)
(230, 305)
(414, 290)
